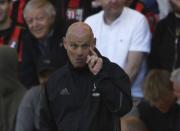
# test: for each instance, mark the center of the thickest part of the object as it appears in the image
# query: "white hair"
(40, 4)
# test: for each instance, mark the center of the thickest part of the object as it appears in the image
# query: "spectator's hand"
(94, 62)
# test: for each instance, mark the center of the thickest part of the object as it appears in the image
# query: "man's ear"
(65, 42)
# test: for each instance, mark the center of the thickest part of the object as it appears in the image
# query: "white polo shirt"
(129, 32)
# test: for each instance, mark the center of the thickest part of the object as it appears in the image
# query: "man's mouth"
(79, 60)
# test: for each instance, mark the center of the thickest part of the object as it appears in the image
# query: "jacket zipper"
(176, 50)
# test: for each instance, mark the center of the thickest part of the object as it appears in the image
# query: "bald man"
(89, 93)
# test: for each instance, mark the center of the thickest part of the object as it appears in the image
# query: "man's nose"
(79, 51)
(34, 23)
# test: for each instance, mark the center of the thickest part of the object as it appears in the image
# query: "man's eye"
(29, 21)
(40, 18)
(85, 46)
(73, 46)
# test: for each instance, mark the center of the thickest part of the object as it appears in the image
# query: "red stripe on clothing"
(139, 7)
(73, 4)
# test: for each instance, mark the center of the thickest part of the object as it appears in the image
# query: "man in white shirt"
(123, 36)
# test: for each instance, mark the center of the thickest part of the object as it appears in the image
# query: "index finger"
(92, 52)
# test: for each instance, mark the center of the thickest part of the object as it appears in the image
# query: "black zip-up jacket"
(165, 50)
(76, 100)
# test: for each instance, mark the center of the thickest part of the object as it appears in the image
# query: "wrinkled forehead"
(80, 34)
(80, 39)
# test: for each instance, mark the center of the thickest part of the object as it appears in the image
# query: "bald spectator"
(89, 93)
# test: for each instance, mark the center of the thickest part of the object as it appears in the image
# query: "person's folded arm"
(134, 62)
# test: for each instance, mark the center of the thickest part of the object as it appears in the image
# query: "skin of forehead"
(79, 29)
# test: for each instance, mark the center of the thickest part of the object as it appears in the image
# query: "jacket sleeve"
(27, 68)
(154, 59)
(47, 122)
(114, 86)
(25, 115)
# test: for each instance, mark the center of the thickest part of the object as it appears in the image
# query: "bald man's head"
(78, 42)
(79, 29)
